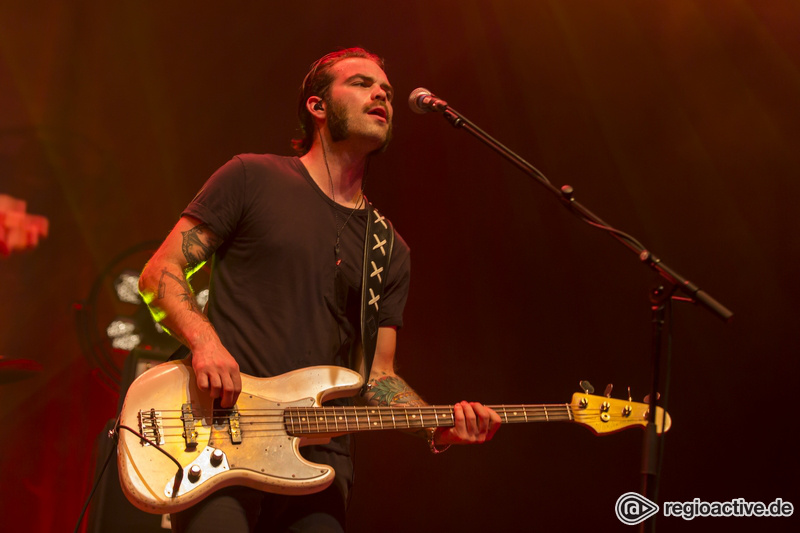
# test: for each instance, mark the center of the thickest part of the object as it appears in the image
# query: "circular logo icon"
(633, 508)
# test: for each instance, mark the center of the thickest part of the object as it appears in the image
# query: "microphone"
(421, 100)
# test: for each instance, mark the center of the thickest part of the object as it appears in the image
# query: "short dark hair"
(318, 83)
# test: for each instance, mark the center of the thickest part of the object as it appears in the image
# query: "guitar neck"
(327, 420)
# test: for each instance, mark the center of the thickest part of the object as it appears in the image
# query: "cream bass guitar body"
(175, 448)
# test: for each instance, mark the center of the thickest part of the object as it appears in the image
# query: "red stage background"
(677, 122)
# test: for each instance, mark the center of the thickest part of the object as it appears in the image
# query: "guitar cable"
(114, 434)
(96, 482)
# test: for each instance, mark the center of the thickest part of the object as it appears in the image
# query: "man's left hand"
(474, 424)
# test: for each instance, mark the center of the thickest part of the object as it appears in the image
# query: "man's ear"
(316, 106)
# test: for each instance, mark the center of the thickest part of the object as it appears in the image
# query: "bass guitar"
(175, 448)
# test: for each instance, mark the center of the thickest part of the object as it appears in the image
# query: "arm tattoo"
(195, 249)
(391, 390)
(186, 295)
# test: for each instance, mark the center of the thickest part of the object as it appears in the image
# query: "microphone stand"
(660, 297)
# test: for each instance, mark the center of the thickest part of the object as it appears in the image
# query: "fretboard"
(322, 420)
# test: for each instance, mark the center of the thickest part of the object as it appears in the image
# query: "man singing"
(286, 237)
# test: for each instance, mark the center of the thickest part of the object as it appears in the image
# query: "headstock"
(605, 415)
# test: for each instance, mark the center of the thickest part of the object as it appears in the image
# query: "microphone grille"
(413, 100)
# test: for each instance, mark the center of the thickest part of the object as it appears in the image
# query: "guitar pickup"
(189, 431)
(235, 428)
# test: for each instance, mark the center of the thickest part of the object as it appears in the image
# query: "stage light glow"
(127, 287)
(126, 342)
(202, 298)
(122, 332)
(120, 327)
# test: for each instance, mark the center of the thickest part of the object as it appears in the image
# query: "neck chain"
(337, 247)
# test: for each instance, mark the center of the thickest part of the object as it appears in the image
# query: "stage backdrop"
(677, 122)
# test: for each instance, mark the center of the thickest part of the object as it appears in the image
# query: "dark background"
(676, 121)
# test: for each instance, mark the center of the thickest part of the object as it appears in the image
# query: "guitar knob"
(216, 457)
(194, 473)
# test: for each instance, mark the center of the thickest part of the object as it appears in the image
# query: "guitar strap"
(378, 245)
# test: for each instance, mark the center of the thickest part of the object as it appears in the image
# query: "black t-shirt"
(278, 300)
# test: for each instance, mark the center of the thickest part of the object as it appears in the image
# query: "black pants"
(244, 510)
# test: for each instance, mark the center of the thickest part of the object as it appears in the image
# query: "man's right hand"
(217, 373)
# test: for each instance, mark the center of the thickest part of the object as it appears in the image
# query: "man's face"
(359, 106)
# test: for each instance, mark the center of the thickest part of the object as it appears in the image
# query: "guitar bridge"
(151, 426)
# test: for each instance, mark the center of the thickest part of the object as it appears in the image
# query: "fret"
(525, 412)
(546, 417)
(421, 417)
(408, 422)
(394, 423)
(355, 411)
(325, 412)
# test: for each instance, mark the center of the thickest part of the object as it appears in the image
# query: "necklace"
(361, 199)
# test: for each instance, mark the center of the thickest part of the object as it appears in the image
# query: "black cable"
(94, 488)
(156, 446)
(115, 432)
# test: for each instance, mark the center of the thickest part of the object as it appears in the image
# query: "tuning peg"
(647, 398)
(630, 399)
(587, 387)
(608, 390)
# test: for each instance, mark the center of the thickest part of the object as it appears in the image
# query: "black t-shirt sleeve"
(221, 201)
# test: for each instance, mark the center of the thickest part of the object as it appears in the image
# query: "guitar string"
(300, 414)
(401, 414)
(314, 426)
(364, 409)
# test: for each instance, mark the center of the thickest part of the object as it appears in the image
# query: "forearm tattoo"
(391, 390)
(199, 243)
(186, 295)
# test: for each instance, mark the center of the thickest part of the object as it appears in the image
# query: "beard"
(339, 126)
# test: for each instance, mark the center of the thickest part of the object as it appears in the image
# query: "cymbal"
(12, 370)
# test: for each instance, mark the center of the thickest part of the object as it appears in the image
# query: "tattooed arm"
(165, 288)
(474, 423)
